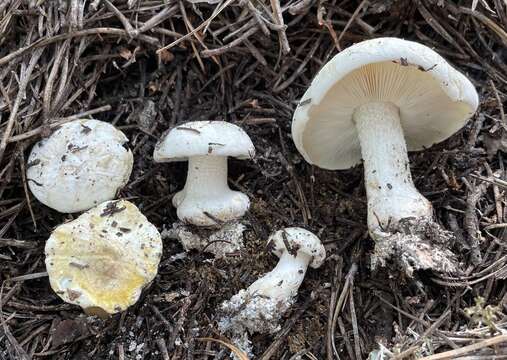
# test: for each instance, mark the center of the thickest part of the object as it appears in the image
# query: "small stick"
(498, 100)
(280, 336)
(12, 342)
(163, 348)
(453, 354)
(299, 7)
(58, 122)
(474, 134)
(470, 221)
(417, 345)
(502, 34)
(341, 299)
(25, 78)
(492, 180)
(121, 352)
(332, 303)
(179, 324)
(125, 22)
(346, 340)
(51, 40)
(352, 18)
(439, 29)
(353, 317)
(277, 16)
(235, 42)
(17, 243)
(195, 30)
(497, 195)
(31, 276)
(258, 18)
(25, 185)
(157, 19)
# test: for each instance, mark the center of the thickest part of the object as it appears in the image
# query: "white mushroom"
(373, 100)
(82, 164)
(102, 260)
(206, 199)
(260, 307)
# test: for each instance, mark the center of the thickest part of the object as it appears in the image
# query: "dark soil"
(63, 58)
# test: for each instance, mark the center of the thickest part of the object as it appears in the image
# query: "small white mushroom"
(374, 100)
(260, 307)
(102, 260)
(82, 164)
(206, 199)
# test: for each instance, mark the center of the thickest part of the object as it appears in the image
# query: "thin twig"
(25, 77)
(278, 18)
(57, 123)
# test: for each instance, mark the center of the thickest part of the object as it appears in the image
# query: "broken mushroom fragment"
(206, 199)
(374, 100)
(102, 260)
(225, 241)
(82, 164)
(260, 307)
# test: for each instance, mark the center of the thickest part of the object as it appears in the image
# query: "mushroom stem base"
(252, 313)
(222, 242)
(400, 219)
(414, 244)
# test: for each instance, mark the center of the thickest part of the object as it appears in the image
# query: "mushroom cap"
(104, 258)
(204, 138)
(304, 241)
(80, 165)
(434, 99)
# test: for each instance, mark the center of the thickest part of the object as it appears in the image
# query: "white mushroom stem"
(207, 199)
(282, 283)
(178, 198)
(207, 177)
(390, 190)
(260, 307)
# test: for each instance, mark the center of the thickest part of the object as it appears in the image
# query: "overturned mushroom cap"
(433, 98)
(299, 241)
(80, 165)
(103, 259)
(204, 138)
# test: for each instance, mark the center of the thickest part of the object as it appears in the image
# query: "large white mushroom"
(373, 100)
(260, 307)
(206, 199)
(102, 260)
(82, 164)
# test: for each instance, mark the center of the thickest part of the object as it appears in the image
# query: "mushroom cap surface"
(103, 258)
(435, 100)
(80, 165)
(300, 240)
(204, 138)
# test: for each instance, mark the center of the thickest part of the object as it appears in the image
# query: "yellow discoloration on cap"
(104, 258)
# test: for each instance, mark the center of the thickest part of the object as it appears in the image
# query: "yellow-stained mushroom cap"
(102, 260)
